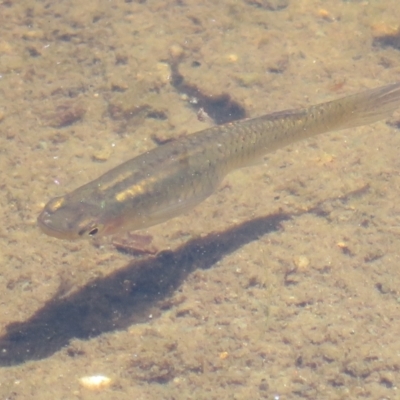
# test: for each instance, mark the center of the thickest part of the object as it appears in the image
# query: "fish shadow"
(126, 297)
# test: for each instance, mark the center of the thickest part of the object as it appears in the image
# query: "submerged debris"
(221, 108)
(65, 114)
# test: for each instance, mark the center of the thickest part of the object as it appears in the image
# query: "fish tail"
(369, 106)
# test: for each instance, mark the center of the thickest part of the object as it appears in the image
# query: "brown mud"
(283, 285)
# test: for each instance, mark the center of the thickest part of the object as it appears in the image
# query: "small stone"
(163, 72)
(95, 382)
(5, 48)
(176, 51)
(34, 34)
(382, 29)
(101, 155)
(326, 15)
(301, 262)
(233, 58)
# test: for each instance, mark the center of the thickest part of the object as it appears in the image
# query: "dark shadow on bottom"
(125, 297)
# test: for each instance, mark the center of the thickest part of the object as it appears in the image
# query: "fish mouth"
(46, 224)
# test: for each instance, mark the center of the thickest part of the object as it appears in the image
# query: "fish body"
(173, 178)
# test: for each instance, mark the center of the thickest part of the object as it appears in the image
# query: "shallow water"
(282, 285)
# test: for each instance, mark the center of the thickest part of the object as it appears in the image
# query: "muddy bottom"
(282, 285)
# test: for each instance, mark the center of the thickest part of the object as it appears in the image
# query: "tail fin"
(369, 106)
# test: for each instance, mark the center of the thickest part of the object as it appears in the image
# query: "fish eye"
(90, 232)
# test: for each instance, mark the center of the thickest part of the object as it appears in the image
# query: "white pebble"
(95, 382)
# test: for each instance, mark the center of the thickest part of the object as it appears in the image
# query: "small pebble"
(382, 29)
(95, 382)
(233, 58)
(326, 15)
(101, 155)
(176, 51)
(163, 72)
(301, 262)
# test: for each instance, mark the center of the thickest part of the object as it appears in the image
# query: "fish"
(171, 179)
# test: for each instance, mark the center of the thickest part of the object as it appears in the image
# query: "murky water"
(283, 285)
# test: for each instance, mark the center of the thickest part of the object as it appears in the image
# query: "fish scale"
(173, 178)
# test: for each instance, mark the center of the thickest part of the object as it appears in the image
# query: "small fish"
(171, 179)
